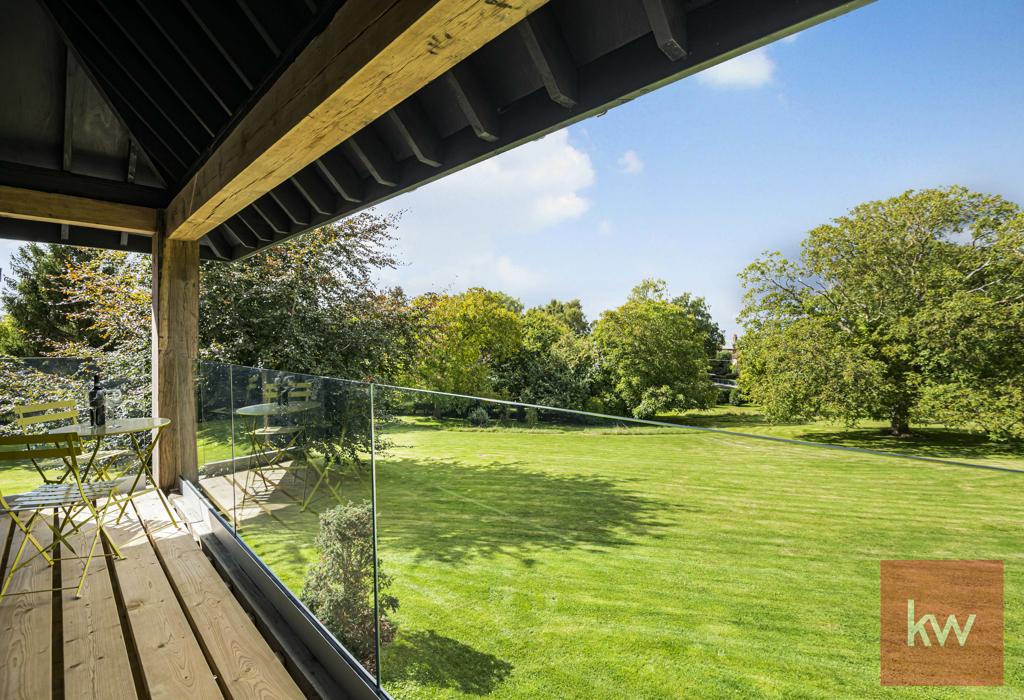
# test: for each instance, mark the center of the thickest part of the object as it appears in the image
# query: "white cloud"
(749, 70)
(513, 276)
(630, 163)
(450, 229)
(605, 227)
(551, 209)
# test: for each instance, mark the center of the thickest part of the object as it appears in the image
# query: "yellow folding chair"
(34, 418)
(74, 499)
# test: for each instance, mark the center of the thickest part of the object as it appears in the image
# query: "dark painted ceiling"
(123, 100)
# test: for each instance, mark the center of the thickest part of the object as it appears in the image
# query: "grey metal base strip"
(311, 652)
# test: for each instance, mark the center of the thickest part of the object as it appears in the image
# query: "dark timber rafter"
(411, 124)
(256, 224)
(241, 233)
(550, 56)
(340, 175)
(70, 107)
(668, 22)
(176, 73)
(473, 101)
(272, 213)
(292, 203)
(312, 186)
(367, 149)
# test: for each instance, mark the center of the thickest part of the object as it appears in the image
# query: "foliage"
(908, 308)
(41, 380)
(12, 338)
(310, 305)
(654, 351)
(109, 295)
(570, 313)
(555, 366)
(707, 329)
(463, 338)
(736, 397)
(478, 417)
(338, 588)
(35, 300)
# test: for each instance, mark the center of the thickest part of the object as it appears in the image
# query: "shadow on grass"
(925, 442)
(445, 511)
(431, 659)
(732, 419)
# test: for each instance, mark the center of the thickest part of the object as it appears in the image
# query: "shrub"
(478, 417)
(339, 587)
(530, 417)
(736, 398)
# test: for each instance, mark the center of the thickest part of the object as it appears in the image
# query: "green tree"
(311, 305)
(463, 340)
(554, 365)
(11, 338)
(710, 332)
(654, 351)
(570, 313)
(906, 309)
(36, 300)
(306, 306)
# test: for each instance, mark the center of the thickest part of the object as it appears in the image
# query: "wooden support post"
(175, 347)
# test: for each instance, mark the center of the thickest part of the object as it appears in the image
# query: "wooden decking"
(160, 623)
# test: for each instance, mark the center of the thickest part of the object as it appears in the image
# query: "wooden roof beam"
(550, 56)
(372, 154)
(341, 176)
(371, 57)
(475, 105)
(33, 205)
(668, 21)
(411, 124)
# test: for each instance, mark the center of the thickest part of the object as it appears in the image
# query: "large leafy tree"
(39, 312)
(709, 331)
(905, 309)
(464, 339)
(570, 313)
(311, 305)
(555, 365)
(653, 347)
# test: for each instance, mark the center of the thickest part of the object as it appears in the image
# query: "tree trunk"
(899, 421)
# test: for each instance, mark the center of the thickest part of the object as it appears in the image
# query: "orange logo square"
(942, 623)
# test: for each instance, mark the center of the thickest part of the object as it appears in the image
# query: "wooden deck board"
(226, 492)
(242, 658)
(169, 654)
(25, 624)
(96, 661)
(160, 623)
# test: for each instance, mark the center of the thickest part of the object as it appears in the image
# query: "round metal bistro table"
(265, 455)
(130, 427)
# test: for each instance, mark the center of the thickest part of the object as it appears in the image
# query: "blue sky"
(691, 182)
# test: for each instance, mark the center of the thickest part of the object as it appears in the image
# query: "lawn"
(925, 441)
(660, 563)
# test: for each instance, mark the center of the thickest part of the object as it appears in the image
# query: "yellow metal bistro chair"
(74, 499)
(34, 416)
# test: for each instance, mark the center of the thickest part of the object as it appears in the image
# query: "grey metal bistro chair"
(75, 500)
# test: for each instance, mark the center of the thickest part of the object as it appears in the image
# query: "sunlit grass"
(657, 563)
